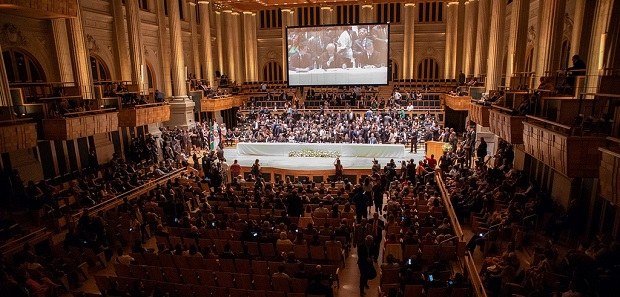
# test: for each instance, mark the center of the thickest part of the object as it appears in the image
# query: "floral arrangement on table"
(447, 147)
(314, 154)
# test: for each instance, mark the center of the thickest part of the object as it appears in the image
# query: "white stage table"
(345, 149)
(338, 76)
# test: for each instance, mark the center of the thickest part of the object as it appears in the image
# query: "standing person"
(235, 169)
(256, 169)
(377, 193)
(225, 169)
(414, 142)
(481, 151)
(365, 256)
(377, 233)
(361, 202)
(367, 187)
(339, 169)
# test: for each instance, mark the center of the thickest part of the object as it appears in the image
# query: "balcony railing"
(144, 114)
(80, 124)
(562, 147)
(17, 135)
(479, 113)
(504, 123)
(456, 102)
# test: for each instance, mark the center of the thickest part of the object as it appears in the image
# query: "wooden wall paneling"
(83, 151)
(47, 159)
(73, 155)
(59, 155)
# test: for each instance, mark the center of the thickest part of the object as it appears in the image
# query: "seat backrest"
(413, 290)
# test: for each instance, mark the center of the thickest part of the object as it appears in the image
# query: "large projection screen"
(338, 55)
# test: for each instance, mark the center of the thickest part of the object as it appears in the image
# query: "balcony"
(479, 113)
(144, 114)
(75, 125)
(221, 103)
(506, 125)
(44, 9)
(17, 135)
(564, 148)
(460, 103)
(609, 174)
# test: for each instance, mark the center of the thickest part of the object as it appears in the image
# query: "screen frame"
(389, 68)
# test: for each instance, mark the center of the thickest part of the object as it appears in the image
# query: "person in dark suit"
(331, 59)
(377, 227)
(302, 60)
(481, 151)
(370, 58)
(365, 256)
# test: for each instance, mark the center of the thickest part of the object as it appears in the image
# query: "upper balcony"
(479, 113)
(143, 114)
(221, 102)
(504, 123)
(459, 103)
(43, 9)
(17, 135)
(75, 125)
(569, 149)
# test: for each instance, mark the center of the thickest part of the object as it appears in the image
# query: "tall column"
(177, 60)
(515, 61)
(368, 15)
(550, 37)
(496, 45)
(578, 20)
(327, 15)
(135, 43)
(409, 41)
(79, 55)
(205, 44)
(181, 107)
(598, 50)
(194, 39)
(124, 65)
(287, 16)
(5, 93)
(482, 38)
(164, 49)
(459, 40)
(249, 37)
(230, 51)
(220, 42)
(471, 30)
(237, 47)
(451, 37)
(61, 41)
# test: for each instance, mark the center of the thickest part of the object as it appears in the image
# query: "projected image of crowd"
(340, 47)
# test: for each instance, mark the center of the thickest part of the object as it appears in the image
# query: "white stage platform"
(285, 162)
(344, 149)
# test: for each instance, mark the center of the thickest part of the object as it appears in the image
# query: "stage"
(303, 163)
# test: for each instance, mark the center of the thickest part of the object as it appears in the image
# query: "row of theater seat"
(211, 278)
(183, 290)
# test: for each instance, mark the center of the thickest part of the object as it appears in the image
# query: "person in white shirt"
(225, 168)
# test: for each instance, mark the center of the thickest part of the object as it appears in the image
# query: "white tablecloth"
(337, 76)
(345, 149)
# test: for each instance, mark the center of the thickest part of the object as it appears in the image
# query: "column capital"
(368, 6)
(203, 2)
(247, 13)
(412, 4)
(326, 8)
(452, 3)
(286, 10)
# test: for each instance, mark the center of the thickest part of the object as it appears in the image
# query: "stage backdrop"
(338, 55)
